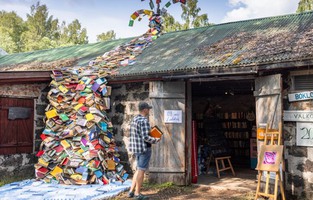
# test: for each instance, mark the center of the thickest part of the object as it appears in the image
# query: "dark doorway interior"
(224, 112)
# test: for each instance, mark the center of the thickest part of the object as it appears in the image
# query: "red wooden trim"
(17, 145)
(24, 76)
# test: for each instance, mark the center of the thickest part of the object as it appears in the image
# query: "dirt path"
(192, 192)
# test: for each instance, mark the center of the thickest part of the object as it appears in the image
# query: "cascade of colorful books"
(78, 145)
(78, 141)
(155, 17)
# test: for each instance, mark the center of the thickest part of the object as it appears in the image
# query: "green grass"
(147, 185)
(10, 179)
(164, 186)
(167, 188)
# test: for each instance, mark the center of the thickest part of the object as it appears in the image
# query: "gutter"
(112, 81)
(7, 77)
(19, 77)
(202, 75)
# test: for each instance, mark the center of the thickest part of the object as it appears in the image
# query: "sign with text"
(304, 134)
(298, 115)
(19, 113)
(173, 116)
(300, 96)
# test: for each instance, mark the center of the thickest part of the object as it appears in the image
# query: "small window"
(303, 82)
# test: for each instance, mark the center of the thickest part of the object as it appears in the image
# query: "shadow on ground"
(240, 187)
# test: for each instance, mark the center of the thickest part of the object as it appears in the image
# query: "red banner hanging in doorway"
(194, 155)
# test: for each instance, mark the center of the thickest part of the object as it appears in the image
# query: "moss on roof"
(81, 54)
(243, 43)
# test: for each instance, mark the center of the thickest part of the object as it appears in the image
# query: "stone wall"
(41, 104)
(18, 165)
(23, 164)
(298, 160)
(124, 106)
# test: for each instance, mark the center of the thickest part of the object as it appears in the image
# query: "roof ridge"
(246, 20)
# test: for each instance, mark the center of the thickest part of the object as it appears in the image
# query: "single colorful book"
(56, 170)
(156, 132)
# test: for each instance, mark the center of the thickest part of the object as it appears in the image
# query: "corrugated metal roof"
(81, 53)
(249, 42)
(244, 43)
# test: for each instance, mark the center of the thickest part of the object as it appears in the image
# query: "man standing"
(140, 145)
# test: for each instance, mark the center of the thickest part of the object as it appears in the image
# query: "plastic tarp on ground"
(39, 190)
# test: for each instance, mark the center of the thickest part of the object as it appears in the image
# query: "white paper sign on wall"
(304, 134)
(173, 116)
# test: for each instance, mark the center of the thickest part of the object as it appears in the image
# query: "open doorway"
(224, 112)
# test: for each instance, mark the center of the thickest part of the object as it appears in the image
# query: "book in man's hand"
(156, 132)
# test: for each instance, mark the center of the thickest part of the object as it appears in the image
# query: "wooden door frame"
(278, 92)
(188, 135)
(189, 114)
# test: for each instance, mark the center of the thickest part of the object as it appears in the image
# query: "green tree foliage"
(42, 29)
(72, 34)
(190, 16)
(109, 35)
(305, 5)
(11, 29)
(39, 31)
(170, 24)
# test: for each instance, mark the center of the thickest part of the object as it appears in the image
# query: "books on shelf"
(236, 129)
(237, 134)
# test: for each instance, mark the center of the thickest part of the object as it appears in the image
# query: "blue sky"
(99, 16)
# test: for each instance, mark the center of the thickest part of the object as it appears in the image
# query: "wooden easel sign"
(270, 158)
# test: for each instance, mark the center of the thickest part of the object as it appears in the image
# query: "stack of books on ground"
(78, 144)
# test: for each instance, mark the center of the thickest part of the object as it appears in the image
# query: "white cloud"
(250, 9)
(19, 6)
(234, 2)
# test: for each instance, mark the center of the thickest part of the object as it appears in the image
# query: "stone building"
(261, 66)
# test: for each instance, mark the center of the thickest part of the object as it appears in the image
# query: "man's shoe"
(141, 197)
(131, 194)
